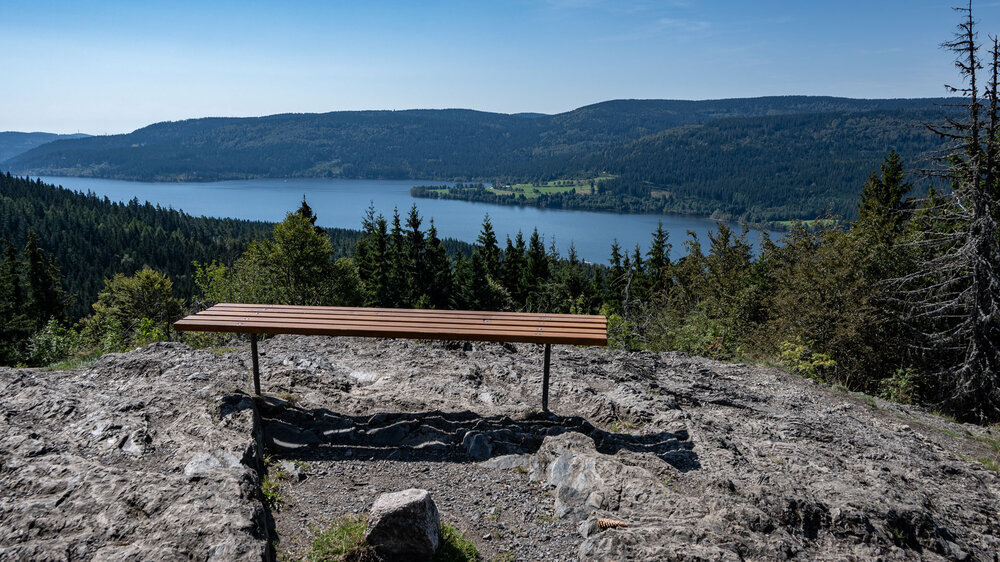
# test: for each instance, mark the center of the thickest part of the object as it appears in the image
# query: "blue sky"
(110, 67)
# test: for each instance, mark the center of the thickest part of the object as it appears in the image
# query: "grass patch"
(624, 426)
(503, 557)
(992, 442)
(344, 541)
(870, 400)
(454, 546)
(990, 464)
(83, 361)
(270, 486)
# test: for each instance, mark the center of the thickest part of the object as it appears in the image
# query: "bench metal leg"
(545, 378)
(256, 364)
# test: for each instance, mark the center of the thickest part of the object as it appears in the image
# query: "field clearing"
(532, 191)
(812, 223)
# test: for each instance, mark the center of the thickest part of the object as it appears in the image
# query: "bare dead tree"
(953, 297)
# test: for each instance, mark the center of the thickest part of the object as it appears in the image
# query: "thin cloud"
(686, 25)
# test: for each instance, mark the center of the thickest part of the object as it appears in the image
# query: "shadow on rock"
(434, 436)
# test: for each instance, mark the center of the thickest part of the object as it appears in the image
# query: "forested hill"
(13, 143)
(654, 145)
(767, 168)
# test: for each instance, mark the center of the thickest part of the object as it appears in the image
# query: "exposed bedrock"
(696, 459)
(150, 455)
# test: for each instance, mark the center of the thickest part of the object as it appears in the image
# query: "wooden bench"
(516, 327)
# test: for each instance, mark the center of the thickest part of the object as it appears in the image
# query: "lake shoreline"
(342, 203)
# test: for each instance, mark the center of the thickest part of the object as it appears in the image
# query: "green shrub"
(900, 387)
(622, 334)
(53, 343)
(148, 332)
(801, 360)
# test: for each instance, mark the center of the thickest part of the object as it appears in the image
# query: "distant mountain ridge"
(637, 140)
(13, 143)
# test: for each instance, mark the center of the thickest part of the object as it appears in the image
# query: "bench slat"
(525, 316)
(404, 318)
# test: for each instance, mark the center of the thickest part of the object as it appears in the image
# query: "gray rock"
(508, 462)
(292, 470)
(477, 446)
(203, 464)
(588, 527)
(389, 435)
(404, 526)
(179, 459)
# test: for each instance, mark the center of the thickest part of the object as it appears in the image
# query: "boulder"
(404, 526)
(477, 446)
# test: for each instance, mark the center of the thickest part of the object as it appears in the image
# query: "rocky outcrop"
(703, 460)
(149, 455)
(688, 458)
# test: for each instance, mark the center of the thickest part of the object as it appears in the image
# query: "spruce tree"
(515, 269)
(539, 269)
(438, 270)
(15, 326)
(880, 207)
(45, 297)
(488, 249)
(399, 283)
(659, 260)
(953, 297)
(421, 276)
(370, 256)
(306, 212)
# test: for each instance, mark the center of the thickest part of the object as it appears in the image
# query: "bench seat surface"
(520, 327)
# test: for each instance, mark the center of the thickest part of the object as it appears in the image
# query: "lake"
(342, 203)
